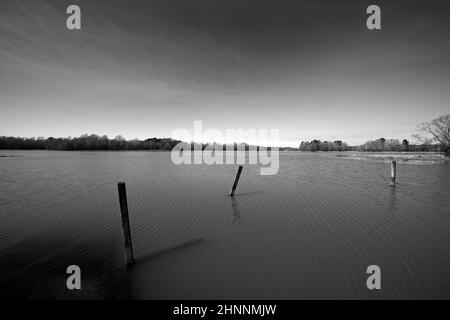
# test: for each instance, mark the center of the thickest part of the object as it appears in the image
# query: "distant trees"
(382, 143)
(317, 145)
(436, 131)
(394, 145)
(95, 142)
(21, 143)
(86, 142)
(378, 145)
(405, 145)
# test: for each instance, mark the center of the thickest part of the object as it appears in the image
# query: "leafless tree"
(436, 131)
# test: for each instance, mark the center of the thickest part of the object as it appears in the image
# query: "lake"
(308, 232)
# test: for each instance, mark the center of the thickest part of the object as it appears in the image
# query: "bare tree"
(437, 130)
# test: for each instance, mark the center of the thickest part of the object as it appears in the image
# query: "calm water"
(308, 232)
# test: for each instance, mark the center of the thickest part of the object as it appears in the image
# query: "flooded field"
(308, 232)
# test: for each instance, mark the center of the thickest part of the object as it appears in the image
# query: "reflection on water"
(308, 232)
(237, 216)
(394, 200)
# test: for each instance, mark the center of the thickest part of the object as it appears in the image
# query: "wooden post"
(125, 223)
(393, 172)
(236, 180)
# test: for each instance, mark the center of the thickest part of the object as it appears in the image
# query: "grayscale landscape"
(344, 187)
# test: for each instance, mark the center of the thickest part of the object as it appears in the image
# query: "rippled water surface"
(308, 232)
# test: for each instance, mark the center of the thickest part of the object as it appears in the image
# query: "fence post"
(393, 172)
(236, 180)
(125, 223)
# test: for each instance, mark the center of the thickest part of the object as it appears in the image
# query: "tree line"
(86, 142)
(378, 145)
(317, 145)
(94, 142)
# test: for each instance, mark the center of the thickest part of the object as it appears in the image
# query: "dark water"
(308, 232)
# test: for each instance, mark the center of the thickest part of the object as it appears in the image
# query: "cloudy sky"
(145, 68)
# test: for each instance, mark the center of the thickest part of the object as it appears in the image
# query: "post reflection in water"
(237, 215)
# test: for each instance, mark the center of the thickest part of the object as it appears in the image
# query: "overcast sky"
(145, 68)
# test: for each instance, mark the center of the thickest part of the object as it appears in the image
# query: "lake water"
(310, 231)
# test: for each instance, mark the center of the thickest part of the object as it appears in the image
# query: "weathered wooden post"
(393, 172)
(125, 223)
(236, 180)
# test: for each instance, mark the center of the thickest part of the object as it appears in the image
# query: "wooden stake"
(393, 172)
(125, 223)
(236, 180)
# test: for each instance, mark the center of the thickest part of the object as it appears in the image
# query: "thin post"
(125, 223)
(236, 180)
(393, 172)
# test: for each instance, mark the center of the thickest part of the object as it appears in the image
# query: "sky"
(145, 68)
